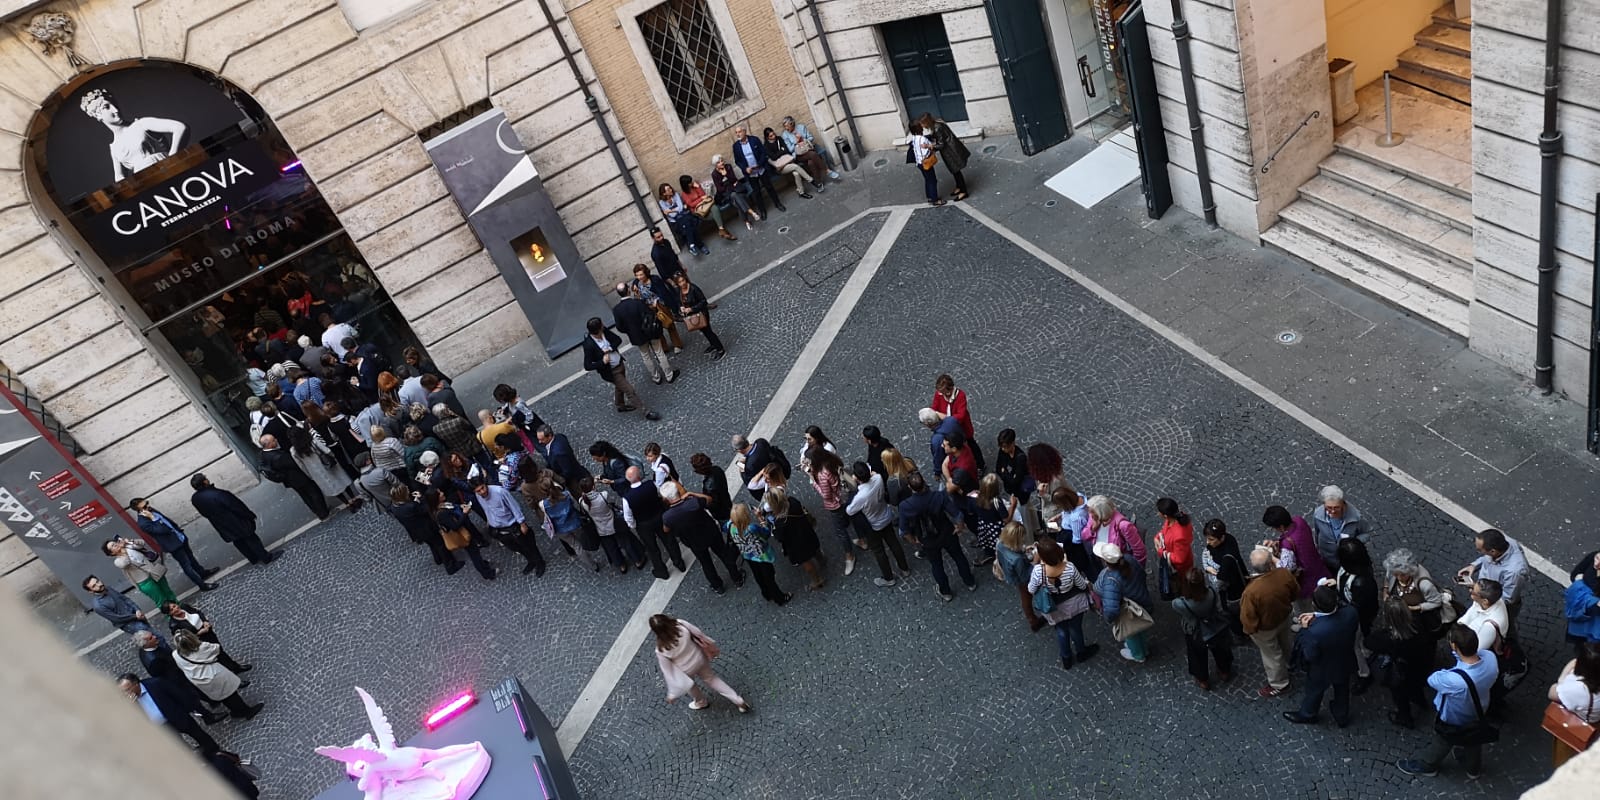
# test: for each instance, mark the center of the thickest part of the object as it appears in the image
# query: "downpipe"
(1549, 160)
(833, 70)
(1197, 133)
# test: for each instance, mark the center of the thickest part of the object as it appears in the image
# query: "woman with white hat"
(1124, 600)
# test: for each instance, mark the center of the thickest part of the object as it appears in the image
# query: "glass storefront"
(1091, 25)
(220, 239)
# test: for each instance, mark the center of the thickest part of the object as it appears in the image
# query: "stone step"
(1382, 248)
(1451, 89)
(1414, 195)
(1450, 66)
(1376, 279)
(1446, 39)
(1408, 159)
(1384, 215)
(1446, 15)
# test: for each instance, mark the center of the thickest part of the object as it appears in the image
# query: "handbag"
(1164, 579)
(1473, 734)
(704, 207)
(782, 161)
(696, 321)
(1132, 620)
(707, 646)
(927, 163)
(1569, 728)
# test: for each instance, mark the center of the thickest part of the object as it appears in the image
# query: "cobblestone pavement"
(866, 692)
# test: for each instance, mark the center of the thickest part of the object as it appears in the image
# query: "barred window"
(691, 58)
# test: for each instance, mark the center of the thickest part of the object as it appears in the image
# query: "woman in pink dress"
(684, 653)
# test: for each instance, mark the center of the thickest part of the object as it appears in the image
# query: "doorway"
(1032, 86)
(209, 233)
(1098, 94)
(925, 68)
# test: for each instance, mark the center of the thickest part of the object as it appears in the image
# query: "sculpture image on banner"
(384, 770)
(136, 143)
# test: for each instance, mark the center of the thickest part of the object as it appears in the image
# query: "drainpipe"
(599, 118)
(827, 55)
(1549, 159)
(1197, 133)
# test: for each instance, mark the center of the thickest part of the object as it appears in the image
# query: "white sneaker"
(849, 565)
(833, 176)
(882, 582)
(1128, 654)
(699, 704)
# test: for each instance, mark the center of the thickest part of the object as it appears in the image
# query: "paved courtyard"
(860, 691)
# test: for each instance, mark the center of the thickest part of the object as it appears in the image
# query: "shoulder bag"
(696, 321)
(1043, 602)
(1473, 734)
(1569, 728)
(1132, 620)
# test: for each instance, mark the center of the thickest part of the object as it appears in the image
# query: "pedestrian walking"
(754, 542)
(172, 540)
(926, 515)
(950, 149)
(792, 526)
(684, 653)
(1461, 696)
(1124, 600)
(868, 507)
(825, 468)
(695, 311)
(202, 665)
(949, 400)
(234, 521)
(1334, 520)
(687, 520)
(1059, 593)
(142, 567)
(184, 617)
(503, 514)
(1014, 564)
(602, 356)
(639, 323)
(1205, 627)
(1327, 645)
(1174, 546)
(1265, 609)
(921, 152)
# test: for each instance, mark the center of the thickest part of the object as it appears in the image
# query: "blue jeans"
(1069, 637)
(930, 184)
(1136, 645)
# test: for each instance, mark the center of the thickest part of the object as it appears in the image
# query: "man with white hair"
(1265, 610)
(688, 520)
(942, 425)
(311, 355)
(1335, 520)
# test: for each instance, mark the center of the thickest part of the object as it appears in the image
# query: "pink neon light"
(295, 164)
(449, 710)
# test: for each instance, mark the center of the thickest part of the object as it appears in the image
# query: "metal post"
(1389, 137)
(1550, 147)
(1592, 440)
(1197, 133)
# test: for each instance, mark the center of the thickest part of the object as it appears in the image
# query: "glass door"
(1099, 70)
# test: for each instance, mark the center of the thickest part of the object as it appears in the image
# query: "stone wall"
(1507, 113)
(350, 104)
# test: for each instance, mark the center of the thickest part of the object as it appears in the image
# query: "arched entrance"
(181, 194)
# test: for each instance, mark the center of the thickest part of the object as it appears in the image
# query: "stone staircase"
(1397, 221)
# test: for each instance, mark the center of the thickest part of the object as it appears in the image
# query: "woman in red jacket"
(1174, 543)
(947, 399)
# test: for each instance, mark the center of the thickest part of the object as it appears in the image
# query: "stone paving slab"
(865, 692)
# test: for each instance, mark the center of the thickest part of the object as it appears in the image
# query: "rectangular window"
(690, 59)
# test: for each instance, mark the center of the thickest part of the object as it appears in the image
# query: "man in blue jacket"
(1328, 644)
(751, 156)
(171, 539)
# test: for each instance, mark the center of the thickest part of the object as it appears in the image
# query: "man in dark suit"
(602, 355)
(167, 704)
(643, 508)
(278, 466)
(172, 540)
(663, 256)
(366, 369)
(156, 658)
(234, 520)
(558, 456)
(754, 457)
(632, 317)
(1327, 643)
(751, 157)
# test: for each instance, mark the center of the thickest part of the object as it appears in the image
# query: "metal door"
(1032, 85)
(1139, 68)
(924, 68)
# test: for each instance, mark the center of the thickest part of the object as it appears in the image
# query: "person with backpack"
(1461, 697)
(754, 458)
(1205, 627)
(928, 516)
(564, 524)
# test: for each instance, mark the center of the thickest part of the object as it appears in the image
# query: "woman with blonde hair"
(201, 663)
(989, 508)
(684, 653)
(754, 541)
(1014, 565)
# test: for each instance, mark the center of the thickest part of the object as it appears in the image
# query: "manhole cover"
(1049, 204)
(880, 163)
(784, 229)
(1288, 337)
(990, 148)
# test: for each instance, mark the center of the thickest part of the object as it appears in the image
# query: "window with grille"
(691, 58)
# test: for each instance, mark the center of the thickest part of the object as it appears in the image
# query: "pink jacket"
(1299, 540)
(1121, 532)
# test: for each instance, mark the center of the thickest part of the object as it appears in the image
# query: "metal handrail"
(1388, 74)
(1303, 123)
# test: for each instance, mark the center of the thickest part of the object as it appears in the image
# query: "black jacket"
(757, 459)
(665, 259)
(172, 700)
(279, 466)
(629, 316)
(187, 624)
(694, 300)
(226, 512)
(558, 456)
(689, 521)
(594, 359)
(159, 664)
(1329, 645)
(419, 526)
(756, 148)
(167, 538)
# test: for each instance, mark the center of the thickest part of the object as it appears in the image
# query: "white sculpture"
(386, 771)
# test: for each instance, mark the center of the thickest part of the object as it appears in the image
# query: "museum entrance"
(213, 239)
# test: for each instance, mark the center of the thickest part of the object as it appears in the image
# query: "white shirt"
(335, 334)
(659, 467)
(627, 510)
(1575, 696)
(611, 356)
(1483, 621)
(869, 500)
